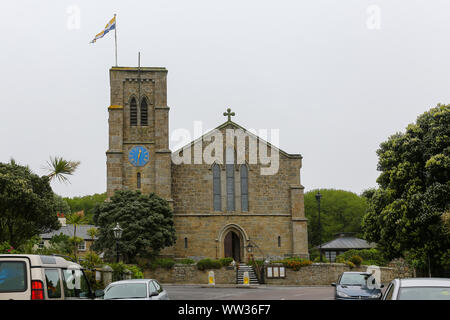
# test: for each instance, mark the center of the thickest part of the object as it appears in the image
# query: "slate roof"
(348, 243)
(68, 231)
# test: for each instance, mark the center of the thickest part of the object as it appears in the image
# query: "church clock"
(138, 156)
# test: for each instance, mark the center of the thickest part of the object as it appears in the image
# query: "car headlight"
(376, 296)
(342, 295)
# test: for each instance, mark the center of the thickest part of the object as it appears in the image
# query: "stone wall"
(327, 273)
(189, 274)
(314, 275)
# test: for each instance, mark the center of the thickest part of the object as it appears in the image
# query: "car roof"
(131, 281)
(37, 260)
(356, 272)
(425, 282)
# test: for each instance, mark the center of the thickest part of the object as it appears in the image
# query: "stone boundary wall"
(327, 273)
(313, 275)
(189, 274)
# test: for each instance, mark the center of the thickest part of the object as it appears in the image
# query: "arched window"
(144, 112)
(216, 188)
(279, 242)
(230, 178)
(133, 112)
(185, 243)
(138, 178)
(244, 188)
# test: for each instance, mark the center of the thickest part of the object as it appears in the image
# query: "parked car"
(418, 289)
(136, 289)
(353, 286)
(40, 277)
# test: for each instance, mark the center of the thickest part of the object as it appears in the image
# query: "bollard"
(211, 279)
(246, 278)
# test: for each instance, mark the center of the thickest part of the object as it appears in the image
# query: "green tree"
(27, 204)
(405, 213)
(76, 219)
(59, 168)
(86, 203)
(61, 205)
(92, 232)
(146, 220)
(340, 211)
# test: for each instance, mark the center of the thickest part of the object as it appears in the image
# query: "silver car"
(418, 289)
(136, 289)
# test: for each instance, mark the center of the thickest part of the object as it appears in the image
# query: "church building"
(226, 199)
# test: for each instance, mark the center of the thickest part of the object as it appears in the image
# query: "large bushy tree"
(340, 211)
(27, 204)
(405, 214)
(146, 220)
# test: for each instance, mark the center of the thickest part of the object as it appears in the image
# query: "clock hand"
(139, 155)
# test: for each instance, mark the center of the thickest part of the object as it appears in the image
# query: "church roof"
(231, 123)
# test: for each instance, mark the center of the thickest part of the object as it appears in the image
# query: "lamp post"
(117, 230)
(318, 197)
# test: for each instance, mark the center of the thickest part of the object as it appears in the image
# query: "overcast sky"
(336, 77)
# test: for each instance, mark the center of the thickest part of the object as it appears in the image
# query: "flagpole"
(115, 36)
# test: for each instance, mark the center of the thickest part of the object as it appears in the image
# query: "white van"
(39, 277)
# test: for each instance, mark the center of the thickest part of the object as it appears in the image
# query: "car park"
(41, 277)
(354, 286)
(136, 289)
(418, 289)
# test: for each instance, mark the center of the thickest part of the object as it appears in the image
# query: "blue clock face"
(138, 156)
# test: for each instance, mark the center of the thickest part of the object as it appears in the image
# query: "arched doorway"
(232, 246)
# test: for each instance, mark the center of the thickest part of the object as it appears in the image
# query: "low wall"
(189, 274)
(326, 273)
(313, 275)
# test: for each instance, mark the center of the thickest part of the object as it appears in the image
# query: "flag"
(110, 26)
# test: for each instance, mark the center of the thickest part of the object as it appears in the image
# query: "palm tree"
(60, 168)
(92, 232)
(76, 219)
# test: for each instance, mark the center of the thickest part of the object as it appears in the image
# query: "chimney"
(61, 219)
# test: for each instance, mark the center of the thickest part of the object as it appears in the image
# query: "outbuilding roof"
(68, 231)
(348, 243)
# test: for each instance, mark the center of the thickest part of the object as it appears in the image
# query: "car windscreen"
(354, 279)
(126, 291)
(424, 293)
(13, 277)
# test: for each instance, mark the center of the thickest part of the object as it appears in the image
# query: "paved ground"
(198, 292)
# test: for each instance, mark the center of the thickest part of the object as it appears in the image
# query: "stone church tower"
(138, 156)
(219, 208)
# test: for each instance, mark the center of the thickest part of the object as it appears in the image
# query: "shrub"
(369, 256)
(226, 261)
(295, 263)
(350, 264)
(324, 259)
(208, 264)
(137, 272)
(356, 260)
(5, 247)
(185, 261)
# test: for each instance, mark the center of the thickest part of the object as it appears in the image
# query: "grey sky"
(334, 87)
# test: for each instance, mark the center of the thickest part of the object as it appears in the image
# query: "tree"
(86, 203)
(27, 204)
(59, 168)
(76, 219)
(146, 220)
(92, 232)
(61, 205)
(340, 211)
(405, 213)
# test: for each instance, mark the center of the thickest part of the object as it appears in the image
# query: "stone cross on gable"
(229, 114)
